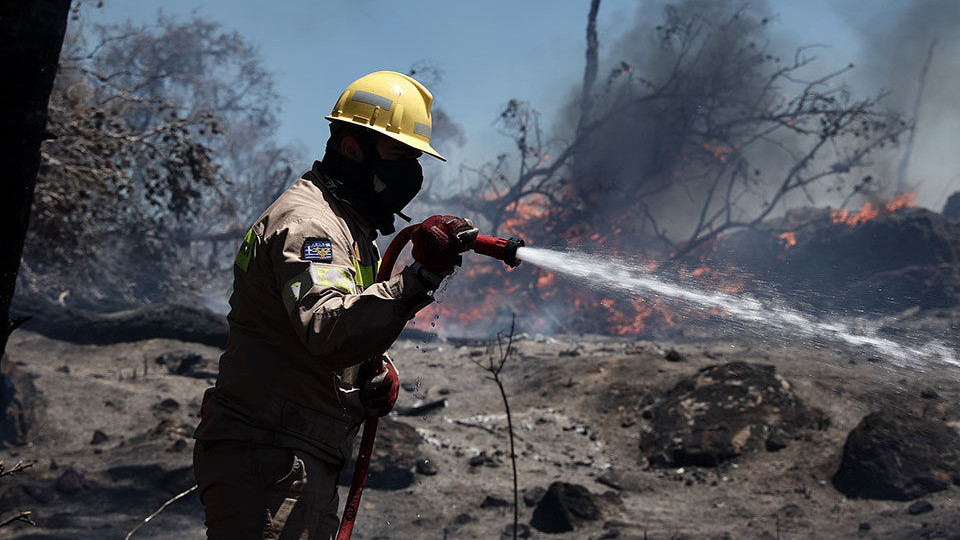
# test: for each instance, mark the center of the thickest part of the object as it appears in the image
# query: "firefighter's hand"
(439, 241)
(378, 389)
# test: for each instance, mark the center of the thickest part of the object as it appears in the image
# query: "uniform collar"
(328, 186)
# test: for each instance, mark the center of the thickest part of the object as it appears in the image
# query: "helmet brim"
(412, 142)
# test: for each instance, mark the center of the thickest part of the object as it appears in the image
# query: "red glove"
(378, 389)
(439, 241)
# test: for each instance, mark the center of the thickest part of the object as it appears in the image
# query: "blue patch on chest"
(317, 250)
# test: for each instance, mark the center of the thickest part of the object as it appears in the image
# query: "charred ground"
(111, 424)
(721, 432)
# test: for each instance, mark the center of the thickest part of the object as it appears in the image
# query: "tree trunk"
(31, 34)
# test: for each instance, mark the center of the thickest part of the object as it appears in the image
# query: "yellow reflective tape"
(324, 277)
(332, 277)
(365, 275)
(291, 291)
(246, 251)
(344, 283)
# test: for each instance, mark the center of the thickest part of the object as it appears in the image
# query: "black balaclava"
(377, 188)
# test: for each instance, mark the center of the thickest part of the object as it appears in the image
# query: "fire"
(484, 293)
(788, 239)
(870, 210)
(718, 150)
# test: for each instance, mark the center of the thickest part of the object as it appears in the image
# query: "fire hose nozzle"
(504, 249)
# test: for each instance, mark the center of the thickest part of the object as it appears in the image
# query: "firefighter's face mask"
(396, 181)
(378, 188)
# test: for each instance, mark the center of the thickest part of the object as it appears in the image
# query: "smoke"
(707, 64)
(679, 101)
(896, 40)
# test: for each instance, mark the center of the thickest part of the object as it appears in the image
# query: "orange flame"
(870, 211)
(788, 239)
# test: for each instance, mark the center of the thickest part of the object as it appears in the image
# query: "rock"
(426, 467)
(951, 210)
(99, 437)
(483, 460)
(168, 405)
(775, 443)
(920, 507)
(491, 501)
(180, 363)
(611, 478)
(929, 394)
(673, 356)
(864, 526)
(563, 507)
(71, 482)
(895, 455)
(721, 412)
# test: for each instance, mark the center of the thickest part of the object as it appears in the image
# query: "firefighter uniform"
(305, 311)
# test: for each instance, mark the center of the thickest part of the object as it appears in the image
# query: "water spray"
(631, 280)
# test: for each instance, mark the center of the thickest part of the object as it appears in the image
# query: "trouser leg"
(256, 492)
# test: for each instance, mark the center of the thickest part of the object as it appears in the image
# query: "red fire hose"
(504, 249)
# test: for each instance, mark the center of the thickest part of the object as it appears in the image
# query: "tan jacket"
(304, 312)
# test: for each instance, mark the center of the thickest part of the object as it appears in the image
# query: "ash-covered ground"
(109, 439)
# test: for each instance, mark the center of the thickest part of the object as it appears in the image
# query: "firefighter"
(306, 316)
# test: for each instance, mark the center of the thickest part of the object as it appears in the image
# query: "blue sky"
(490, 51)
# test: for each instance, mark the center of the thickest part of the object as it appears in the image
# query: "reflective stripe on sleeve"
(366, 275)
(316, 275)
(246, 251)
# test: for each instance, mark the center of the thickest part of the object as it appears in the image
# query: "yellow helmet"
(390, 103)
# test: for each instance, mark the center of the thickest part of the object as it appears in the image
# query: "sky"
(490, 51)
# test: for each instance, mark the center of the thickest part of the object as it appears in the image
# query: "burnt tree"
(165, 149)
(696, 127)
(31, 34)
(699, 128)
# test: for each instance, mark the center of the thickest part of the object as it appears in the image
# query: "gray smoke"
(896, 39)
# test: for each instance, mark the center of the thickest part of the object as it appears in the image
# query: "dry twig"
(159, 510)
(24, 516)
(494, 365)
(19, 467)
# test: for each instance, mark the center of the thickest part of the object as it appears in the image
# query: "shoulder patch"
(317, 250)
